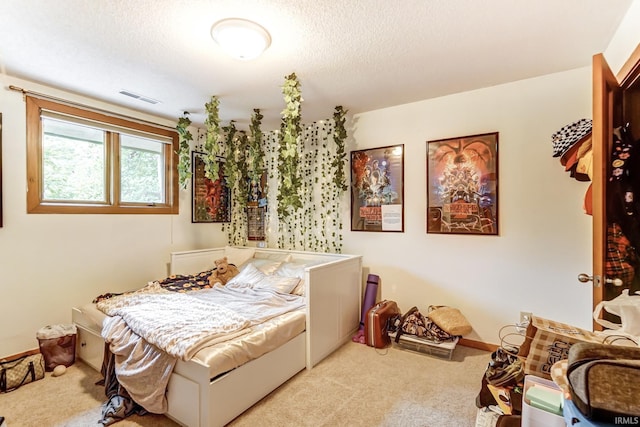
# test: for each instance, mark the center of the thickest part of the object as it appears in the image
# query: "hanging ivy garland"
(212, 145)
(230, 166)
(235, 165)
(288, 157)
(184, 152)
(243, 170)
(340, 157)
(255, 158)
(230, 172)
(307, 167)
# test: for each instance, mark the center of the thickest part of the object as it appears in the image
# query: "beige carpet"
(355, 386)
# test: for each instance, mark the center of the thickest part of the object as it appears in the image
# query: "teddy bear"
(223, 272)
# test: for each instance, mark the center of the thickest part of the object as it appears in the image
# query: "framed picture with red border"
(462, 185)
(211, 200)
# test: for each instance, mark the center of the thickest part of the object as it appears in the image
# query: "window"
(82, 161)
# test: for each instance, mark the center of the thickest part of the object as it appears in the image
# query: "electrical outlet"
(525, 317)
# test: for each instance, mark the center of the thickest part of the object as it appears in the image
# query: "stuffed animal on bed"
(223, 272)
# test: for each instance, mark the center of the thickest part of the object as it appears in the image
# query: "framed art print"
(462, 185)
(211, 200)
(377, 189)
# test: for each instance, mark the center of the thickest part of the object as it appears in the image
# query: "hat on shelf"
(568, 135)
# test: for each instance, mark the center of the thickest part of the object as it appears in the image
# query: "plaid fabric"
(559, 376)
(563, 139)
(551, 343)
(620, 255)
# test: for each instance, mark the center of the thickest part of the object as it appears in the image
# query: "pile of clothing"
(440, 324)
(572, 144)
(500, 397)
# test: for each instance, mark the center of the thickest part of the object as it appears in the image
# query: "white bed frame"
(333, 290)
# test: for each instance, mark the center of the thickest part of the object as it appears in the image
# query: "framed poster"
(462, 185)
(377, 189)
(211, 201)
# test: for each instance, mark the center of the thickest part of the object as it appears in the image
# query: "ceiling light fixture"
(241, 38)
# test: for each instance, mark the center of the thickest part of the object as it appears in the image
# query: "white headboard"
(195, 261)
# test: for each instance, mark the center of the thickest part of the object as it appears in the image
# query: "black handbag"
(23, 370)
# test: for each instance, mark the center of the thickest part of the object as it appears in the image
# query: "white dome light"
(241, 38)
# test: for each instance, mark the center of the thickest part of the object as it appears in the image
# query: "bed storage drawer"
(183, 399)
(233, 393)
(90, 347)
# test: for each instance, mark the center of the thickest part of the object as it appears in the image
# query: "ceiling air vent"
(139, 97)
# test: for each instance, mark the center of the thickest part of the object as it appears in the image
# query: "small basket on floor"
(57, 345)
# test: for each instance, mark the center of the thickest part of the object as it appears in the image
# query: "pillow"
(294, 268)
(238, 256)
(282, 284)
(248, 275)
(252, 277)
(299, 289)
(274, 256)
(267, 266)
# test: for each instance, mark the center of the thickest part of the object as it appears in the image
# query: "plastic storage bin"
(533, 416)
(57, 345)
(424, 346)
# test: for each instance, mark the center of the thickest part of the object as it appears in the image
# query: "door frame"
(607, 108)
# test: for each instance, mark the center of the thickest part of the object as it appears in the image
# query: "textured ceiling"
(363, 55)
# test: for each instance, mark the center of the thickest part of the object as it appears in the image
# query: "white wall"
(625, 40)
(50, 263)
(545, 238)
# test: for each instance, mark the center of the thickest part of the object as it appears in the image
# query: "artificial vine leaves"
(230, 171)
(340, 157)
(184, 151)
(288, 157)
(306, 172)
(212, 144)
(255, 160)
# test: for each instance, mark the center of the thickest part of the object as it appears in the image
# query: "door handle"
(584, 278)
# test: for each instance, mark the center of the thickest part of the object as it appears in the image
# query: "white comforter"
(150, 328)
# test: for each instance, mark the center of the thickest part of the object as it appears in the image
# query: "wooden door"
(616, 101)
(605, 99)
